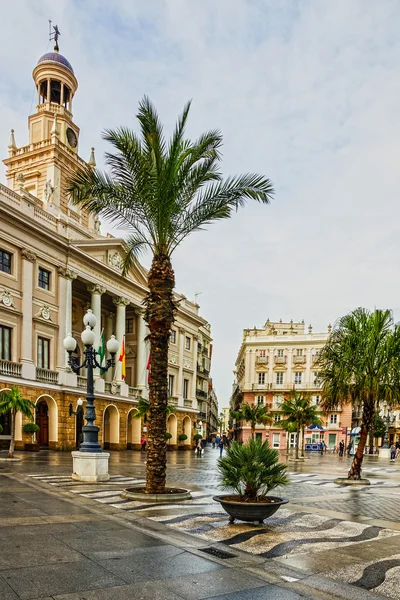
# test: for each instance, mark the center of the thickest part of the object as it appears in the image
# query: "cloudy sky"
(305, 92)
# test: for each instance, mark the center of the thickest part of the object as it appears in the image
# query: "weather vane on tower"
(54, 34)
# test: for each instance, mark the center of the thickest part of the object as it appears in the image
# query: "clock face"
(71, 138)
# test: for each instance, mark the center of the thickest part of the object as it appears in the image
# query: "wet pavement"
(326, 538)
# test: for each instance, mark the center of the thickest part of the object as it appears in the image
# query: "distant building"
(271, 363)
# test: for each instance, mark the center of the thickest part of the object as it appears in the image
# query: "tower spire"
(54, 35)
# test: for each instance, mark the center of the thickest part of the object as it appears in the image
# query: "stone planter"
(32, 447)
(250, 511)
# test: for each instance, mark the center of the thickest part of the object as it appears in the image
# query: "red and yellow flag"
(122, 359)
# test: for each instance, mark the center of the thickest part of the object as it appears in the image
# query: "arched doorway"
(134, 430)
(111, 428)
(78, 426)
(42, 420)
(187, 430)
(172, 428)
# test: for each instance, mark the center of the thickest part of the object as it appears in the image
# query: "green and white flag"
(102, 349)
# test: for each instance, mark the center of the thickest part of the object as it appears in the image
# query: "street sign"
(344, 430)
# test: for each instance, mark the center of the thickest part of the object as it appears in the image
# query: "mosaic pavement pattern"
(288, 534)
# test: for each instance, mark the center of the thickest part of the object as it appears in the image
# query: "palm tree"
(360, 363)
(160, 192)
(299, 411)
(13, 402)
(143, 409)
(254, 414)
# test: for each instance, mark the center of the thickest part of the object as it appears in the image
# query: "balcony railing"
(261, 360)
(201, 394)
(280, 360)
(81, 381)
(187, 403)
(134, 392)
(259, 386)
(46, 376)
(10, 369)
(173, 401)
(299, 360)
(202, 415)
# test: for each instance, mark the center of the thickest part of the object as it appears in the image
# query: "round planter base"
(345, 481)
(6, 459)
(251, 512)
(172, 495)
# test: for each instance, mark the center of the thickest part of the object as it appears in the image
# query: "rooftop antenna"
(54, 34)
(195, 296)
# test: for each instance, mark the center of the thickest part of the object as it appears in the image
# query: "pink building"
(271, 363)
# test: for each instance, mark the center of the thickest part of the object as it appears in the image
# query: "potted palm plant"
(31, 428)
(182, 437)
(251, 470)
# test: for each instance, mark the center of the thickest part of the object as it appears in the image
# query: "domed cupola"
(55, 57)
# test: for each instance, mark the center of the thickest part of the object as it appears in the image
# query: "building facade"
(54, 265)
(271, 363)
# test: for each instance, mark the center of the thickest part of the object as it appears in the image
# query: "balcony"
(280, 360)
(134, 392)
(299, 360)
(173, 400)
(259, 387)
(201, 394)
(10, 369)
(46, 376)
(187, 403)
(81, 382)
(261, 360)
(202, 371)
(202, 415)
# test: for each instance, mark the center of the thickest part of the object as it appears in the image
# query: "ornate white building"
(54, 264)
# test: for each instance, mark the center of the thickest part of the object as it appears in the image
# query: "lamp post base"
(90, 466)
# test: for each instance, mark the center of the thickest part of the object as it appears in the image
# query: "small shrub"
(251, 469)
(182, 437)
(168, 435)
(31, 428)
(197, 437)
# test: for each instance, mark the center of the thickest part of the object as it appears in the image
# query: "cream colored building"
(54, 264)
(271, 363)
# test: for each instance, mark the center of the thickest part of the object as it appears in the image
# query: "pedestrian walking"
(143, 444)
(221, 447)
(213, 440)
(217, 441)
(341, 448)
(198, 448)
(349, 448)
(392, 452)
(322, 447)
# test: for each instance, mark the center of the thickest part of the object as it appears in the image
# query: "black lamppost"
(388, 419)
(90, 430)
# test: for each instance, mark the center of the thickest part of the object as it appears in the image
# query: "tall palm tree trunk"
(297, 441)
(12, 441)
(160, 310)
(371, 438)
(302, 442)
(368, 414)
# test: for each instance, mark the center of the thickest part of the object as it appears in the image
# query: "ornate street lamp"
(90, 430)
(388, 419)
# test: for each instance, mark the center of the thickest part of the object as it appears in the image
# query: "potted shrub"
(182, 437)
(31, 428)
(251, 470)
(168, 436)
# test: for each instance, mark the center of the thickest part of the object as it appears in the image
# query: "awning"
(355, 431)
(316, 428)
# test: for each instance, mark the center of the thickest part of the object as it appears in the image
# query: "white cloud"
(304, 92)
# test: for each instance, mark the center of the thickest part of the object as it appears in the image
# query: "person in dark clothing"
(221, 446)
(349, 449)
(341, 448)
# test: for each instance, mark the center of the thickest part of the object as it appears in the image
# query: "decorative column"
(179, 388)
(194, 379)
(28, 368)
(97, 291)
(109, 333)
(121, 304)
(141, 353)
(66, 277)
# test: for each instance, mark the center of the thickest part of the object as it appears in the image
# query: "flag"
(148, 367)
(123, 360)
(102, 349)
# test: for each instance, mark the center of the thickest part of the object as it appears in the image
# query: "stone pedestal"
(90, 466)
(384, 452)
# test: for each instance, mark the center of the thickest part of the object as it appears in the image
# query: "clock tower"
(51, 156)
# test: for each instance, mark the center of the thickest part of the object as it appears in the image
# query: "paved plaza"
(72, 541)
